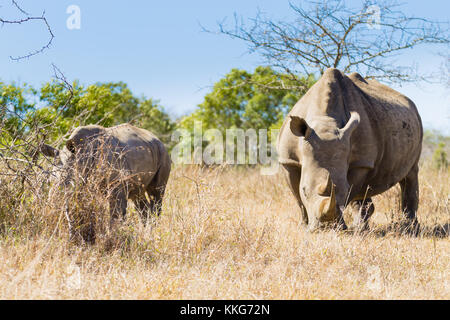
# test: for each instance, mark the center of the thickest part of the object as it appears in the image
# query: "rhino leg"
(143, 206)
(156, 195)
(69, 222)
(362, 210)
(293, 175)
(410, 198)
(118, 204)
(157, 187)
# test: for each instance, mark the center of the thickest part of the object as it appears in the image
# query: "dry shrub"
(72, 200)
(24, 207)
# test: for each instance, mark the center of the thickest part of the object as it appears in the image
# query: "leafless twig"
(331, 34)
(26, 19)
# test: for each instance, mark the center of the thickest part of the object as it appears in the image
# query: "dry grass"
(226, 234)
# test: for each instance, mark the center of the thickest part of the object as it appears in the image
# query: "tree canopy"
(55, 109)
(258, 100)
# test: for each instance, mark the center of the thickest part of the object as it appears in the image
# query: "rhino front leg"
(293, 175)
(69, 221)
(117, 205)
(410, 198)
(143, 206)
(362, 210)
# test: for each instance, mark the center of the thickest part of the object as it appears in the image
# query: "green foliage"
(432, 138)
(14, 105)
(106, 104)
(258, 100)
(440, 157)
(244, 100)
(155, 119)
(55, 109)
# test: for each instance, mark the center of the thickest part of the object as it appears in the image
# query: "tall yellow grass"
(226, 233)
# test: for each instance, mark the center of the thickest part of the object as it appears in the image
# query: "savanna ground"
(227, 233)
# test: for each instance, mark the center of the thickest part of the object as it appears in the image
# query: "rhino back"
(143, 152)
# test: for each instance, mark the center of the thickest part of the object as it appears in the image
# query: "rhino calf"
(135, 161)
(347, 140)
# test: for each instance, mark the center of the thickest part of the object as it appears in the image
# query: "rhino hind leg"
(362, 211)
(157, 188)
(410, 199)
(293, 175)
(156, 195)
(143, 206)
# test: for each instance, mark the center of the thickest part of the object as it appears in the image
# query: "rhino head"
(324, 151)
(80, 153)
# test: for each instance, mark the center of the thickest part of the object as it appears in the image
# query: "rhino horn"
(328, 206)
(332, 201)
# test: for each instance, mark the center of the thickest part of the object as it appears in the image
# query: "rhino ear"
(49, 151)
(70, 145)
(299, 127)
(351, 125)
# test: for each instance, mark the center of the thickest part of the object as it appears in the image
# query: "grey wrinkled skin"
(135, 161)
(346, 140)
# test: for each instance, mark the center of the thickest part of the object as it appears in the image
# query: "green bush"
(440, 157)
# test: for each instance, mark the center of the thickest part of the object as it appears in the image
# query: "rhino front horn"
(332, 202)
(328, 206)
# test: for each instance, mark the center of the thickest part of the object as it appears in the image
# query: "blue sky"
(160, 51)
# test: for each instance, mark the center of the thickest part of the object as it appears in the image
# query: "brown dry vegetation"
(224, 233)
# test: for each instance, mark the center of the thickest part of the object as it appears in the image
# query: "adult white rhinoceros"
(135, 163)
(346, 140)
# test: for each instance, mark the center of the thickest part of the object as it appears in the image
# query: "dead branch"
(331, 34)
(26, 19)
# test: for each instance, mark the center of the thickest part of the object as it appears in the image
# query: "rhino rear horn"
(351, 125)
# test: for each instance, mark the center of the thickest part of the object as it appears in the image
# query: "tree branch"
(30, 18)
(329, 34)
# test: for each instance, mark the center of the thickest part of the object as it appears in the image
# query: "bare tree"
(26, 19)
(331, 34)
